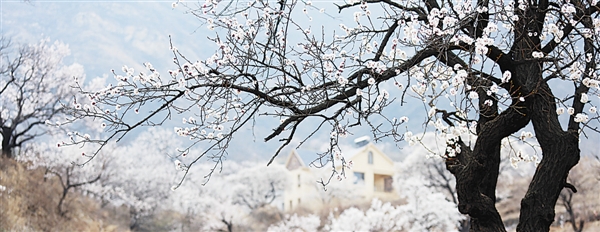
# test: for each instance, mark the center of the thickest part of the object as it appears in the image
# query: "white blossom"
(177, 164)
(537, 54)
(506, 76)
(488, 102)
(432, 111)
(584, 98)
(371, 81)
(581, 118)
(473, 95)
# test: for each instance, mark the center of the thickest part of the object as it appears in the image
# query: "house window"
(370, 157)
(299, 181)
(360, 177)
(291, 204)
(298, 201)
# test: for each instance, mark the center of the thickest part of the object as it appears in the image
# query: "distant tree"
(566, 200)
(61, 163)
(379, 217)
(256, 187)
(424, 162)
(430, 168)
(297, 223)
(582, 207)
(482, 70)
(227, 201)
(426, 209)
(140, 176)
(34, 81)
(344, 190)
(220, 212)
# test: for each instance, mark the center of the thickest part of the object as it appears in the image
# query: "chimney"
(362, 141)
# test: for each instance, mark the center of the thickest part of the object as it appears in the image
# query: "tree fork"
(560, 151)
(475, 184)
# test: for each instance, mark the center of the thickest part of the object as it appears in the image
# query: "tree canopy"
(483, 70)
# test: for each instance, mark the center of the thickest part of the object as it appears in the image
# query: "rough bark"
(477, 171)
(6, 147)
(560, 149)
(561, 152)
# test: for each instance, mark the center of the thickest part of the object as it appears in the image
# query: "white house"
(370, 177)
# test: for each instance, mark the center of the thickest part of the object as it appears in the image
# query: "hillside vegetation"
(29, 202)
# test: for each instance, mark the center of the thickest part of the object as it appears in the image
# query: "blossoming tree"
(33, 82)
(309, 222)
(424, 211)
(60, 163)
(483, 70)
(142, 185)
(228, 200)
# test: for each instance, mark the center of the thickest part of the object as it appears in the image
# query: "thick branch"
(477, 171)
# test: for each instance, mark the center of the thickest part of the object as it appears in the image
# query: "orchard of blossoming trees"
(483, 70)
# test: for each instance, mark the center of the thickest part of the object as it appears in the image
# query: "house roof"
(371, 146)
(303, 158)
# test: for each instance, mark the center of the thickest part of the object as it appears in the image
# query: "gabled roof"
(304, 158)
(293, 161)
(372, 147)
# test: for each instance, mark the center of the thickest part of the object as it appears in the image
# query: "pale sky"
(105, 35)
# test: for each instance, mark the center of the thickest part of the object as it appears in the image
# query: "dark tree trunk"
(134, 223)
(59, 208)
(566, 198)
(228, 224)
(477, 171)
(537, 207)
(561, 152)
(6, 146)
